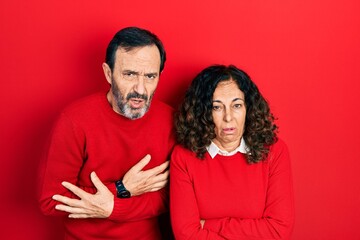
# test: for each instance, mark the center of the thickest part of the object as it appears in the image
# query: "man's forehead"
(145, 58)
(134, 50)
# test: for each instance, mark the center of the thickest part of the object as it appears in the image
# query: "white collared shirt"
(213, 149)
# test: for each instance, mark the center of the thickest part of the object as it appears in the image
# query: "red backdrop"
(304, 56)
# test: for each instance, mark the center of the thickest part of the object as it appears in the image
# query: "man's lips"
(136, 102)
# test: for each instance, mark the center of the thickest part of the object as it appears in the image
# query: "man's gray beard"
(125, 108)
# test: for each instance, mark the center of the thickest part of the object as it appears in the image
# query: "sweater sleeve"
(278, 217)
(147, 205)
(185, 217)
(63, 162)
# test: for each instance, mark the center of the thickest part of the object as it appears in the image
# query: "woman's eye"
(216, 108)
(237, 105)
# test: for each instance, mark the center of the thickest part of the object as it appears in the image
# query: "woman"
(230, 175)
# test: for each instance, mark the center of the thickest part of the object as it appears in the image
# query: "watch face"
(125, 194)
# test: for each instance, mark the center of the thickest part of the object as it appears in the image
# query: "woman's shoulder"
(279, 150)
(182, 154)
(279, 144)
(180, 149)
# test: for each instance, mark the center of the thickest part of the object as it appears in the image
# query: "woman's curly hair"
(194, 123)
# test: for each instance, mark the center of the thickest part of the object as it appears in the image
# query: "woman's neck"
(227, 146)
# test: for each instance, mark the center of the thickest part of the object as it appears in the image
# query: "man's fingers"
(69, 209)
(159, 185)
(164, 166)
(154, 180)
(79, 215)
(155, 189)
(160, 181)
(74, 189)
(161, 177)
(159, 169)
(68, 201)
(97, 182)
(141, 164)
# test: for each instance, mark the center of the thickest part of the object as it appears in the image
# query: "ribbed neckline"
(218, 156)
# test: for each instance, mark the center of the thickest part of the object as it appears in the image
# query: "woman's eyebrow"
(236, 99)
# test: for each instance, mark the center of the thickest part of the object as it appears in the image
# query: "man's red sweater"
(90, 136)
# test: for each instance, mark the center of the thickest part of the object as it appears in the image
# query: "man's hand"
(138, 182)
(98, 205)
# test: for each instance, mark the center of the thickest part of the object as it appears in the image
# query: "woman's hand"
(202, 222)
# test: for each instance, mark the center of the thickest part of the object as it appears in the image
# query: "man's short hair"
(130, 38)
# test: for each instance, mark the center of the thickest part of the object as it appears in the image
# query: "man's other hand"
(137, 181)
(98, 205)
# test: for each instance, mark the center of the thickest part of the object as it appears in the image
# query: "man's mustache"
(136, 95)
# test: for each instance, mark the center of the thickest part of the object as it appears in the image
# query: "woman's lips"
(229, 130)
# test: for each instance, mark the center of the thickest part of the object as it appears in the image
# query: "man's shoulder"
(85, 108)
(85, 104)
(160, 107)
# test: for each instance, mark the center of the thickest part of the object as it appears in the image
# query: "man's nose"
(140, 85)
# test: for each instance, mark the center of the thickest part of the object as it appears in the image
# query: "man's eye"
(150, 76)
(129, 75)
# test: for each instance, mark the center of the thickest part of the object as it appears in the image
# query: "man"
(104, 136)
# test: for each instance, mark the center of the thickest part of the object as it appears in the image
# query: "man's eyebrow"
(137, 73)
(152, 73)
(130, 71)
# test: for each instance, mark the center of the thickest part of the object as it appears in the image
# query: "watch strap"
(121, 191)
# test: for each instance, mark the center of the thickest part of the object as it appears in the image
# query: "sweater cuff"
(120, 209)
(117, 206)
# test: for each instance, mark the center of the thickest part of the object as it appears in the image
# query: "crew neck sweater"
(89, 136)
(237, 200)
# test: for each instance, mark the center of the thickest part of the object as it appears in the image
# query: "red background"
(303, 55)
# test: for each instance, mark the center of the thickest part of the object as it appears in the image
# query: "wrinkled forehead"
(228, 88)
(146, 58)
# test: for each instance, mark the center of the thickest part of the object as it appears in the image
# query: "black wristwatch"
(121, 191)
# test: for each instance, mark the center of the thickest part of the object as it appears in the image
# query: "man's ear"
(107, 72)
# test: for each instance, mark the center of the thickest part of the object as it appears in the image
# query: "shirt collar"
(213, 149)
